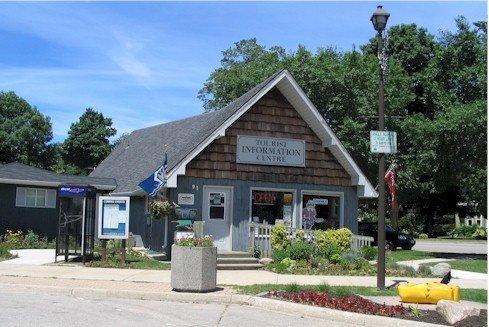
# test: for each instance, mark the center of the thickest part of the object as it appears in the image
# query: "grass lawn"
(134, 260)
(476, 295)
(405, 255)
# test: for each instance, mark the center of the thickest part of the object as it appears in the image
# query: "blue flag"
(156, 180)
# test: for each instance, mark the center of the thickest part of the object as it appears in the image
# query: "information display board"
(113, 214)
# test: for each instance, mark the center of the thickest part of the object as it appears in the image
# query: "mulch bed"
(354, 303)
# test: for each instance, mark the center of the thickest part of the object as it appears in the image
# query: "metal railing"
(260, 237)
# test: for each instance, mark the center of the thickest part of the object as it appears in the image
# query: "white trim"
(50, 184)
(231, 208)
(179, 169)
(273, 189)
(341, 195)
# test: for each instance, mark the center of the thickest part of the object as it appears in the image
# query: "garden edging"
(260, 302)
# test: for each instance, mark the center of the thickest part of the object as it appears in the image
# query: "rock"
(453, 311)
(441, 269)
(265, 261)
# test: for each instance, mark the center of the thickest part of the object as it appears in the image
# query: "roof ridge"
(261, 85)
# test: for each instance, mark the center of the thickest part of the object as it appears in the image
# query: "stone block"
(193, 269)
(454, 312)
(441, 269)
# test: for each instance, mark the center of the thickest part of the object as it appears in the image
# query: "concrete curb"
(260, 302)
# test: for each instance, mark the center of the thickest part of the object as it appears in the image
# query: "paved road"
(452, 246)
(24, 308)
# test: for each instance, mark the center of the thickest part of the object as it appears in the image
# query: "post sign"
(113, 222)
(383, 142)
(273, 151)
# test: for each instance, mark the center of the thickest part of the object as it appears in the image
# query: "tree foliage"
(25, 132)
(436, 94)
(88, 143)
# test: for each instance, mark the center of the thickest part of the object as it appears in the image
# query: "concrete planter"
(193, 269)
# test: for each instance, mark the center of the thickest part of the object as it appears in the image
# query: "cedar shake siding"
(271, 116)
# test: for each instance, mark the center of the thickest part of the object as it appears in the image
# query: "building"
(29, 197)
(267, 156)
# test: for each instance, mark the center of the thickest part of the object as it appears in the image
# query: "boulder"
(453, 311)
(265, 261)
(441, 269)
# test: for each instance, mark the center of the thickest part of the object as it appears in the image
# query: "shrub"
(300, 236)
(299, 251)
(31, 239)
(279, 255)
(336, 237)
(335, 258)
(464, 231)
(369, 252)
(480, 233)
(287, 262)
(280, 238)
(423, 236)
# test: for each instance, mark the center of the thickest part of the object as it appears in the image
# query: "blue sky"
(143, 63)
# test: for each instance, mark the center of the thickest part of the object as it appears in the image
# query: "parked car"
(393, 238)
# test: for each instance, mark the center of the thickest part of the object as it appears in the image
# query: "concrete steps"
(237, 261)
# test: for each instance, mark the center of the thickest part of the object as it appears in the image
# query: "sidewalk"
(224, 277)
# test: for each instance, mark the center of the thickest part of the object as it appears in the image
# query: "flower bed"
(328, 253)
(357, 304)
(352, 303)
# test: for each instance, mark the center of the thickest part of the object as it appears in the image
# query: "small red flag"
(390, 178)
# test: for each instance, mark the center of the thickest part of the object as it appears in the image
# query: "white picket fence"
(260, 237)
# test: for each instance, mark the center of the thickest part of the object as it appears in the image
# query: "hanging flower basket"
(161, 209)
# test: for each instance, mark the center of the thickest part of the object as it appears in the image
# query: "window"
(216, 205)
(320, 211)
(268, 206)
(35, 197)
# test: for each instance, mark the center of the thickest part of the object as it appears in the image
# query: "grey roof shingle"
(17, 172)
(143, 151)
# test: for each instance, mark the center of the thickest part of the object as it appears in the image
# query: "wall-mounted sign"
(262, 150)
(73, 191)
(186, 199)
(318, 201)
(383, 142)
(113, 222)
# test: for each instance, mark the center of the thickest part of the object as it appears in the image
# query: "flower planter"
(193, 269)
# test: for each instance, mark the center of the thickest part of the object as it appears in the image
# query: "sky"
(143, 64)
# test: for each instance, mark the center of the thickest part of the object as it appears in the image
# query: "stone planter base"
(193, 269)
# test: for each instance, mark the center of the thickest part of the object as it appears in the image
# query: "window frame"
(272, 189)
(37, 191)
(341, 195)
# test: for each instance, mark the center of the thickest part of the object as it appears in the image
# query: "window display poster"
(113, 217)
(287, 215)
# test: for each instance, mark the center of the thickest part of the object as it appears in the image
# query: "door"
(218, 214)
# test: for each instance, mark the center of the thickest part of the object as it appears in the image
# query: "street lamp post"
(379, 20)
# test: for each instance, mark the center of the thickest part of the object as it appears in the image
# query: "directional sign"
(383, 142)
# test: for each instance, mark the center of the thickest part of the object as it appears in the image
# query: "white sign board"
(273, 151)
(383, 142)
(113, 220)
(186, 199)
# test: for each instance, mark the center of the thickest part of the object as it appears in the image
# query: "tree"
(436, 93)
(88, 143)
(25, 133)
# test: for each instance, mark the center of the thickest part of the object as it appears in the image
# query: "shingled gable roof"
(142, 152)
(20, 174)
